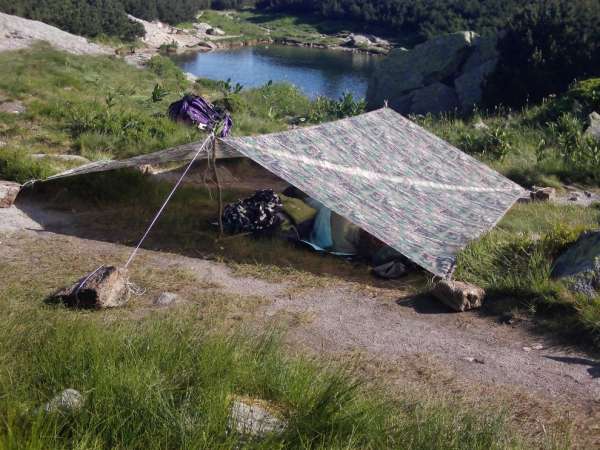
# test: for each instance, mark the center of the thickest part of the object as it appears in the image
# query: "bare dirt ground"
(388, 333)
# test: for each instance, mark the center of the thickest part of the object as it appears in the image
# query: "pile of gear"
(295, 216)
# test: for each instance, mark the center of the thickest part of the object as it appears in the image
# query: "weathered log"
(458, 295)
(8, 193)
(106, 287)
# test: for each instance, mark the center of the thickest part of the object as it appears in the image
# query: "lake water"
(315, 71)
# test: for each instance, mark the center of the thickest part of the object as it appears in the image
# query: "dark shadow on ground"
(593, 370)
(425, 304)
(117, 207)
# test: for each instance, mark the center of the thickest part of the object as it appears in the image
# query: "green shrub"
(166, 68)
(163, 382)
(579, 152)
(15, 166)
(492, 143)
(324, 109)
(546, 46)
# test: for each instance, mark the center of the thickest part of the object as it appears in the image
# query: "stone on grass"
(579, 265)
(458, 295)
(543, 194)
(594, 128)
(104, 288)
(166, 299)
(15, 107)
(8, 193)
(68, 400)
(251, 419)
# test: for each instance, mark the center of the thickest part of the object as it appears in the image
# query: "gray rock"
(461, 61)
(15, 107)
(579, 265)
(253, 420)
(469, 86)
(485, 51)
(166, 299)
(435, 98)
(432, 61)
(543, 194)
(594, 128)
(8, 193)
(215, 32)
(68, 400)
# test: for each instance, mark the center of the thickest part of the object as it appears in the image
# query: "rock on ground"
(18, 33)
(67, 401)
(166, 299)
(251, 419)
(458, 295)
(579, 265)
(158, 33)
(8, 193)
(15, 107)
(459, 62)
(106, 287)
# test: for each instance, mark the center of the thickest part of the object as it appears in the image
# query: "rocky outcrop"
(367, 42)
(17, 33)
(443, 74)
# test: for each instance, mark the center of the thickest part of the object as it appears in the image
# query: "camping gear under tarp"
(390, 177)
(397, 181)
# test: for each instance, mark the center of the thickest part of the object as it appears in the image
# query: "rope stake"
(164, 205)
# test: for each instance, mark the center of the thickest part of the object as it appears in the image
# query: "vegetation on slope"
(100, 108)
(167, 379)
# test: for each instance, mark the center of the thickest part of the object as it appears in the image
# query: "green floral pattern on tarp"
(384, 173)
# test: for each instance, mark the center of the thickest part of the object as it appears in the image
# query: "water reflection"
(314, 71)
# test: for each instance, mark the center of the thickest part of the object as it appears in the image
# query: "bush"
(579, 152)
(546, 46)
(14, 166)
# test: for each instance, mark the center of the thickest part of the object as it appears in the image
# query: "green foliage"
(546, 46)
(491, 143)
(21, 168)
(169, 48)
(158, 93)
(83, 17)
(174, 380)
(325, 109)
(515, 262)
(426, 17)
(165, 68)
(579, 152)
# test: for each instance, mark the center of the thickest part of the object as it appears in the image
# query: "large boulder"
(459, 62)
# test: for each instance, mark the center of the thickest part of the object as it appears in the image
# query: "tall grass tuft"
(165, 382)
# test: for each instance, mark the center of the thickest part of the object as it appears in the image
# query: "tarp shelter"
(405, 186)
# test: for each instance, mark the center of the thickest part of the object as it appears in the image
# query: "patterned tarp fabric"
(402, 184)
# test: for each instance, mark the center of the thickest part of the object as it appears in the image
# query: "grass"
(514, 262)
(166, 379)
(250, 25)
(102, 108)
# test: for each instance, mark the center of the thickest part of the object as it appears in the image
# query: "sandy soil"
(407, 340)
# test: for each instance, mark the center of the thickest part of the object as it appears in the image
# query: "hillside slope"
(17, 33)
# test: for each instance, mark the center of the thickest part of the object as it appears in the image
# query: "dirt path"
(414, 338)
